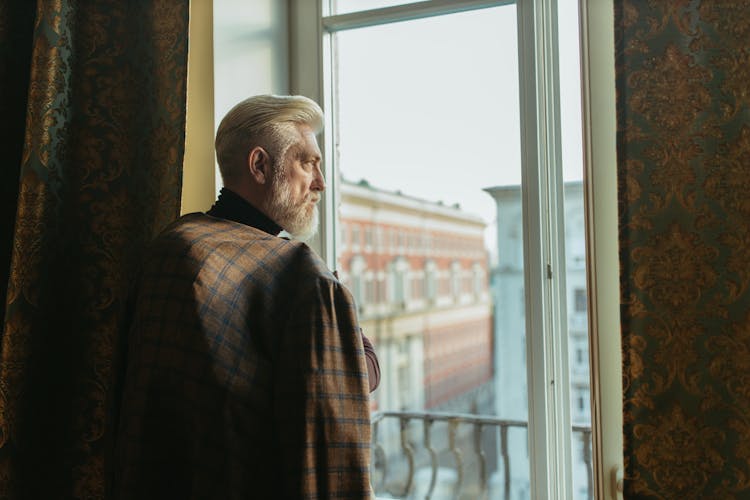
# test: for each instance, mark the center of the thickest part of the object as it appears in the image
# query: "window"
(399, 272)
(355, 272)
(344, 236)
(430, 280)
(405, 396)
(478, 284)
(417, 286)
(367, 64)
(580, 300)
(355, 237)
(370, 293)
(456, 280)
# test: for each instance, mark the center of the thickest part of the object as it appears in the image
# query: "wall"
(197, 173)
(238, 48)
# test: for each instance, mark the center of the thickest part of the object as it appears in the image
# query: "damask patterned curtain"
(92, 100)
(683, 86)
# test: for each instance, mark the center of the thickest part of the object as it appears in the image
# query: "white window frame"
(543, 212)
(549, 391)
(602, 253)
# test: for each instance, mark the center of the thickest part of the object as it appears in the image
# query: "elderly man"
(247, 375)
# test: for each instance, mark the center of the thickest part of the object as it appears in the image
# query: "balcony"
(439, 455)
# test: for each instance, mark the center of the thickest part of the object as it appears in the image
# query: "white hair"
(265, 121)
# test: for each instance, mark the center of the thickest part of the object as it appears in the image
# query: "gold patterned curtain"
(683, 87)
(92, 100)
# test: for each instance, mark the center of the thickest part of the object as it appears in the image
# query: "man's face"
(297, 185)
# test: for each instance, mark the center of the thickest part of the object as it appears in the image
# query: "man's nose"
(319, 182)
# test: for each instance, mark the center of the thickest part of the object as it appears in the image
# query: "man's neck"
(232, 206)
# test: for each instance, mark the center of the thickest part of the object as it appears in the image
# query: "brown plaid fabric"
(246, 373)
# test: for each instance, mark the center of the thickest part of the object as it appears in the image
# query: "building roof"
(373, 196)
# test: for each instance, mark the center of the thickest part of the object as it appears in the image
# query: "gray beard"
(294, 219)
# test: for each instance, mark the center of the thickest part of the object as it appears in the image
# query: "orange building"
(419, 272)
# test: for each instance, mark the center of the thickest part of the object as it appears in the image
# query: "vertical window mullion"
(598, 73)
(309, 65)
(549, 415)
(558, 334)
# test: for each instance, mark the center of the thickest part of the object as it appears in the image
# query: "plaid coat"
(246, 374)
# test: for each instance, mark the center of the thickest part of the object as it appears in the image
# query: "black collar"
(232, 206)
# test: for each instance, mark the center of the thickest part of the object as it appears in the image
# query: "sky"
(431, 107)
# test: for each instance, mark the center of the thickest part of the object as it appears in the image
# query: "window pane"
(347, 6)
(428, 150)
(247, 36)
(575, 246)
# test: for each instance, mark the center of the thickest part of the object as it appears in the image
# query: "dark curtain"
(92, 106)
(683, 90)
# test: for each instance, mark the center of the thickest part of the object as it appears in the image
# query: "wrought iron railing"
(407, 445)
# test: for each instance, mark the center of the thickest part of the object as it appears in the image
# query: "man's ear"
(259, 165)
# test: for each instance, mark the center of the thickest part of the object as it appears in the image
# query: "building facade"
(450, 331)
(419, 274)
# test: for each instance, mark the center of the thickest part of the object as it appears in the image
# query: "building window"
(430, 272)
(344, 235)
(478, 282)
(370, 292)
(417, 286)
(355, 237)
(580, 300)
(399, 270)
(357, 267)
(455, 280)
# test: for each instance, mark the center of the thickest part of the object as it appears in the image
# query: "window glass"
(575, 241)
(580, 300)
(428, 149)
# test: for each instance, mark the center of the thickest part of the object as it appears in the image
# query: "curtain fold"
(683, 111)
(97, 90)
(16, 28)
